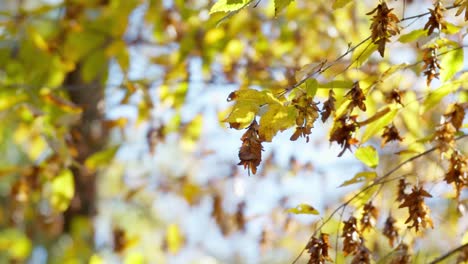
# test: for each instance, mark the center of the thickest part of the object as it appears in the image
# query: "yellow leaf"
(276, 118)
(303, 209)
(376, 126)
(360, 177)
(174, 238)
(243, 113)
(341, 3)
(228, 5)
(15, 243)
(368, 155)
(101, 158)
(62, 190)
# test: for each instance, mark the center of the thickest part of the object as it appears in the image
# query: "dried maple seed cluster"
(455, 115)
(458, 171)
(328, 106)
(394, 96)
(343, 132)
(390, 133)
(308, 112)
(445, 136)
(318, 249)
(436, 20)
(384, 25)
(250, 153)
(401, 255)
(369, 216)
(463, 5)
(362, 256)
(390, 231)
(351, 237)
(357, 97)
(417, 209)
(401, 190)
(431, 68)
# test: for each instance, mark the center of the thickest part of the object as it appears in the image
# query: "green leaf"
(360, 177)
(101, 158)
(228, 5)
(341, 3)
(412, 36)
(280, 5)
(303, 209)
(276, 118)
(363, 52)
(62, 190)
(375, 127)
(311, 87)
(368, 155)
(437, 95)
(451, 63)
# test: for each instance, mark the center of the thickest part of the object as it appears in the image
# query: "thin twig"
(383, 179)
(448, 254)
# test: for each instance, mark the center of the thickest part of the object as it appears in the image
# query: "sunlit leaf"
(437, 95)
(368, 155)
(62, 190)
(341, 3)
(101, 158)
(360, 177)
(174, 238)
(15, 243)
(451, 63)
(303, 209)
(277, 118)
(280, 5)
(376, 126)
(412, 36)
(363, 52)
(228, 5)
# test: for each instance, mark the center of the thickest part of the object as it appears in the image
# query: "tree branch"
(378, 181)
(448, 254)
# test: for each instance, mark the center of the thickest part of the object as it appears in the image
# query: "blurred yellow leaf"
(101, 158)
(303, 209)
(62, 190)
(174, 238)
(15, 243)
(368, 155)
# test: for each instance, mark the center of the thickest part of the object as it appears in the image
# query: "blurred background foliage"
(113, 149)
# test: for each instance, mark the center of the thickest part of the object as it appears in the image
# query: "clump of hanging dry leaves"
(318, 249)
(250, 153)
(418, 211)
(351, 236)
(431, 67)
(369, 216)
(384, 25)
(436, 20)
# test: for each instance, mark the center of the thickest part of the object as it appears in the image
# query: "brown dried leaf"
(390, 230)
(328, 106)
(458, 171)
(384, 25)
(456, 114)
(250, 153)
(351, 236)
(419, 213)
(318, 249)
(436, 20)
(390, 133)
(357, 97)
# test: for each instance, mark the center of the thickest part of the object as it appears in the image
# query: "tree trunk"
(88, 137)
